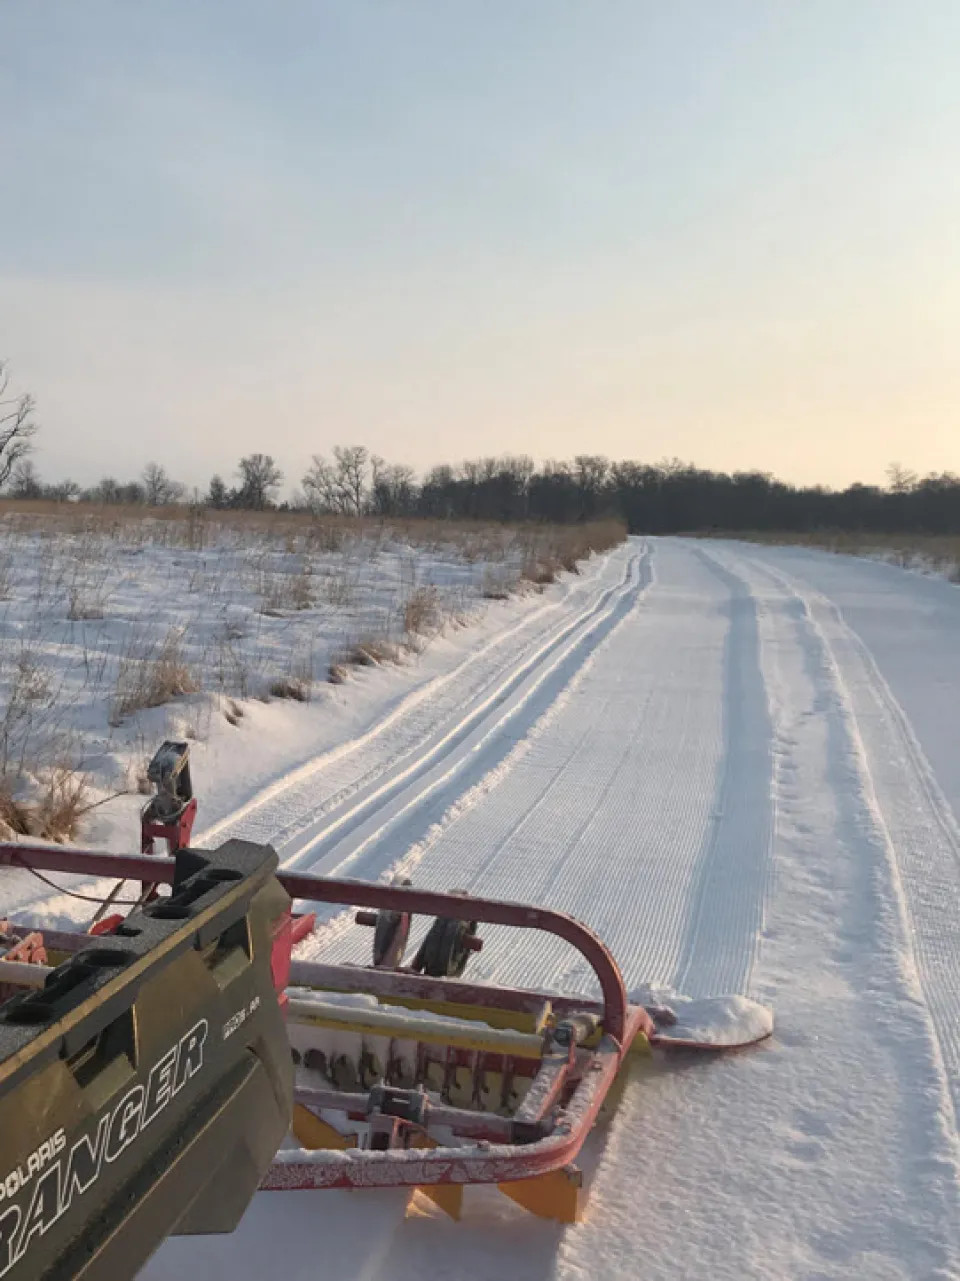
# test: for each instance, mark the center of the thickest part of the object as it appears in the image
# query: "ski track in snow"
(360, 830)
(289, 804)
(703, 761)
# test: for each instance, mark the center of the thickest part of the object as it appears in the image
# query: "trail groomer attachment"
(407, 1078)
(151, 1068)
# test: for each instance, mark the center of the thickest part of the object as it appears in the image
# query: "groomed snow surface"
(741, 767)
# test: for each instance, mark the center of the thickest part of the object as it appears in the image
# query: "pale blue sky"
(725, 230)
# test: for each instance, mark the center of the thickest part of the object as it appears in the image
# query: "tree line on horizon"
(665, 497)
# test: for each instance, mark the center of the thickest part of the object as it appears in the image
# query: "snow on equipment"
(406, 1075)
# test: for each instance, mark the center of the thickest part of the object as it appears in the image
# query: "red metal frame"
(302, 926)
(361, 894)
(176, 834)
(588, 1074)
(486, 1162)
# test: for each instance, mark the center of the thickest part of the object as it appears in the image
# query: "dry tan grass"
(151, 679)
(197, 527)
(573, 543)
(371, 651)
(14, 814)
(62, 805)
(498, 584)
(365, 651)
(281, 592)
(54, 812)
(540, 571)
(289, 687)
(193, 527)
(421, 611)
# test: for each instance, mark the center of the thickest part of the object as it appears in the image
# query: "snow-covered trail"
(569, 827)
(714, 769)
(338, 814)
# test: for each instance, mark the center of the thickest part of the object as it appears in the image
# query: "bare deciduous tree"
(25, 481)
(158, 488)
(320, 486)
(340, 486)
(900, 480)
(217, 495)
(17, 426)
(351, 464)
(62, 491)
(392, 488)
(260, 478)
(113, 492)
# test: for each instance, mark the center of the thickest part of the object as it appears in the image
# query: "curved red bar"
(321, 889)
(464, 907)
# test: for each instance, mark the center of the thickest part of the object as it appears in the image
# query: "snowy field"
(740, 765)
(118, 631)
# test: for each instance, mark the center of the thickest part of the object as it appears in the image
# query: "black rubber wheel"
(443, 954)
(391, 933)
(390, 939)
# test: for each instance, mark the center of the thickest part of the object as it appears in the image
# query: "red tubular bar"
(56, 858)
(361, 894)
(488, 911)
(176, 834)
(302, 926)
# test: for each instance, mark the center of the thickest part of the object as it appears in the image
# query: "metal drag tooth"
(317, 1061)
(433, 1069)
(402, 1063)
(515, 1089)
(374, 1056)
(345, 1073)
(459, 1091)
(490, 1081)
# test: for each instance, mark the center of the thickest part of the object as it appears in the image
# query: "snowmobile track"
(726, 916)
(914, 820)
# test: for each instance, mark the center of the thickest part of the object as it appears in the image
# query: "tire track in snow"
(726, 917)
(915, 823)
(824, 1155)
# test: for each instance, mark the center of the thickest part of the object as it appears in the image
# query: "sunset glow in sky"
(725, 230)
